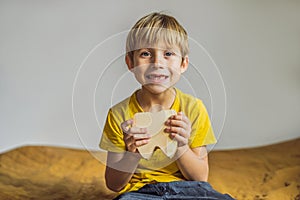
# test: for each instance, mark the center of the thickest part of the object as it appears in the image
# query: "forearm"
(118, 174)
(192, 166)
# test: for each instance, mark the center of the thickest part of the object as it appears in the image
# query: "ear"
(184, 64)
(129, 62)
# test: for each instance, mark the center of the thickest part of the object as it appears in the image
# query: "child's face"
(157, 69)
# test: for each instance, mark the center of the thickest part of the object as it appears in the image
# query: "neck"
(147, 99)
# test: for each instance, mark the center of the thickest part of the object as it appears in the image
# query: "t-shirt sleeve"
(202, 133)
(112, 136)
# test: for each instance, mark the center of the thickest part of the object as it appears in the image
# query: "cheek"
(138, 73)
(176, 72)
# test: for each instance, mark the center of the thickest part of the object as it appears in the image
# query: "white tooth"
(156, 77)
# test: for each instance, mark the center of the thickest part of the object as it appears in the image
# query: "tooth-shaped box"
(155, 124)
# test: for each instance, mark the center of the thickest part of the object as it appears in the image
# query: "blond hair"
(154, 28)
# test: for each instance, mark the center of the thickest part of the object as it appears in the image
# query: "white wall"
(255, 45)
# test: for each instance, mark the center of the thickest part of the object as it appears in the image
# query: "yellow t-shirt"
(159, 168)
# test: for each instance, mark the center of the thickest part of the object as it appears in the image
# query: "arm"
(193, 163)
(119, 169)
(121, 166)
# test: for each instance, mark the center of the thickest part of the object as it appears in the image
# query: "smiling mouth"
(157, 78)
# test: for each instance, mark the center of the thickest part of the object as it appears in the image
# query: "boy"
(157, 54)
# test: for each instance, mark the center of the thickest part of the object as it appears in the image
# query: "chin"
(156, 89)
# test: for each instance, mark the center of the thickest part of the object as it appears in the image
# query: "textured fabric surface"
(176, 190)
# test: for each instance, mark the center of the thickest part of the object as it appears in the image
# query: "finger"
(128, 139)
(178, 123)
(178, 130)
(136, 130)
(179, 139)
(181, 117)
(126, 125)
(139, 143)
(132, 142)
(186, 119)
(179, 120)
(131, 147)
(141, 136)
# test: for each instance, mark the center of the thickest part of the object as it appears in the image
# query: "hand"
(133, 136)
(179, 127)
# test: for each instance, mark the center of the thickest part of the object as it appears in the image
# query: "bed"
(44, 173)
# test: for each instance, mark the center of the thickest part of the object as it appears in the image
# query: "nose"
(158, 60)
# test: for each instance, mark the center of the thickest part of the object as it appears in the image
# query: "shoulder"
(121, 106)
(122, 110)
(192, 107)
(188, 102)
(119, 110)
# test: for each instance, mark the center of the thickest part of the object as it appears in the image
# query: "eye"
(169, 53)
(145, 54)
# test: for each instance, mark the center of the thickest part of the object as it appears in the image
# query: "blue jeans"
(175, 190)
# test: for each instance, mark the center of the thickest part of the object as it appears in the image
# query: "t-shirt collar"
(137, 108)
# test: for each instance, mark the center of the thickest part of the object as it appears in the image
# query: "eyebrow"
(162, 49)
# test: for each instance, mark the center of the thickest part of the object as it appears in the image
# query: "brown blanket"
(271, 172)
